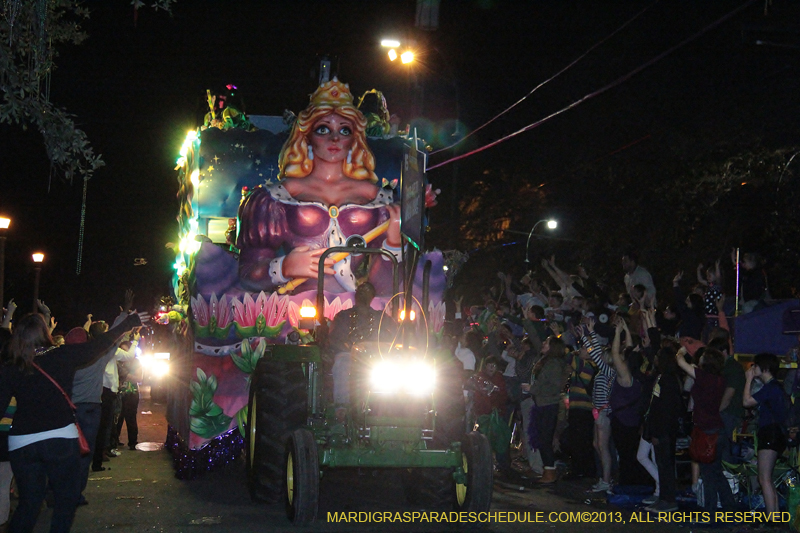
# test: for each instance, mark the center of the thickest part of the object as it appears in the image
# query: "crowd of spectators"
(58, 396)
(614, 386)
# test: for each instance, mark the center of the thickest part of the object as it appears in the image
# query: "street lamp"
(37, 257)
(4, 223)
(551, 224)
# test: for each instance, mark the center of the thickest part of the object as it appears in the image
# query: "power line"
(611, 85)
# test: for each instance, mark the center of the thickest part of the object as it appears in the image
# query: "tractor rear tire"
(301, 483)
(476, 494)
(277, 406)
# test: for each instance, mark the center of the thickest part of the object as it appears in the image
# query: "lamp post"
(415, 53)
(38, 257)
(4, 223)
(551, 224)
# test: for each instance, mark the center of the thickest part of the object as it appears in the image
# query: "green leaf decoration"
(201, 332)
(240, 361)
(196, 408)
(245, 332)
(241, 420)
(206, 417)
(273, 331)
(249, 359)
(261, 324)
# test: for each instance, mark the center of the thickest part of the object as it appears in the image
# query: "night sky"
(136, 91)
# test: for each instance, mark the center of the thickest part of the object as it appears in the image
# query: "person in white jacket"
(109, 396)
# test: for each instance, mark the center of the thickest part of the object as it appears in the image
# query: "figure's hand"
(545, 264)
(750, 373)
(11, 306)
(136, 335)
(590, 323)
(430, 195)
(89, 316)
(677, 279)
(526, 387)
(302, 262)
(53, 324)
(393, 233)
(582, 272)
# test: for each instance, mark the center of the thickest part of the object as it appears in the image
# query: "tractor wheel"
(301, 483)
(476, 494)
(277, 406)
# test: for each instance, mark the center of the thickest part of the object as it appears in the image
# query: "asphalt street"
(139, 493)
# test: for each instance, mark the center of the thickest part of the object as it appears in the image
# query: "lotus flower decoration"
(213, 319)
(333, 307)
(263, 317)
(436, 314)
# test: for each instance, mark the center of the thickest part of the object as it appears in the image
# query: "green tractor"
(405, 412)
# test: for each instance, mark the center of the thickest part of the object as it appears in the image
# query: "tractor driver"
(361, 323)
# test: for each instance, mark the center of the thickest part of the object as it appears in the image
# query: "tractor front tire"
(476, 494)
(301, 483)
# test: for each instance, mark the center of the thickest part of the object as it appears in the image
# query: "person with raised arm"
(43, 441)
(707, 393)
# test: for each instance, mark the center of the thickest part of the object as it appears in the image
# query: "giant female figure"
(327, 194)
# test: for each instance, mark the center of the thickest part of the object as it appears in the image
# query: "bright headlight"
(412, 377)
(160, 368)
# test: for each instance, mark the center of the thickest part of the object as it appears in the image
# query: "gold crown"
(333, 93)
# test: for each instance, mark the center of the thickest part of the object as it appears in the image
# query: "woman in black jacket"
(43, 442)
(662, 425)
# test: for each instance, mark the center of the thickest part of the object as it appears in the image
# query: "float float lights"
(411, 316)
(308, 315)
(4, 224)
(37, 257)
(551, 224)
(407, 57)
(392, 54)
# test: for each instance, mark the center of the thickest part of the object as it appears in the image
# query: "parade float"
(256, 217)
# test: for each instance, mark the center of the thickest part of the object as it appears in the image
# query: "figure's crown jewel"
(333, 93)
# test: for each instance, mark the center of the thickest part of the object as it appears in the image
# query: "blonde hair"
(293, 160)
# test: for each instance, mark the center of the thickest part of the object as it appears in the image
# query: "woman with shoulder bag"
(707, 392)
(44, 440)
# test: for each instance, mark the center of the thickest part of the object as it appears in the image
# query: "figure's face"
(331, 138)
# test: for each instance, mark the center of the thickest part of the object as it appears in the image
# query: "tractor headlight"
(159, 368)
(416, 378)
